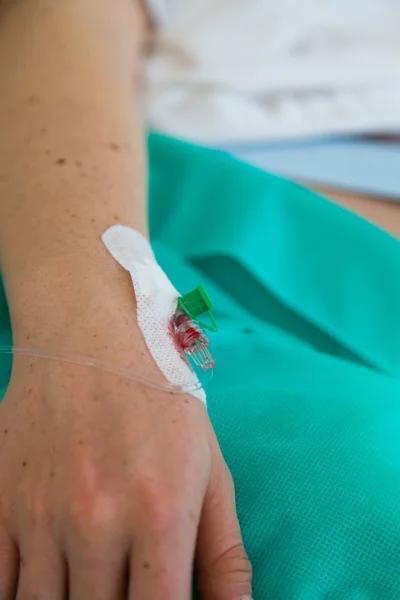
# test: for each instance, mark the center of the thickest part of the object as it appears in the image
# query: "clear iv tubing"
(98, 364)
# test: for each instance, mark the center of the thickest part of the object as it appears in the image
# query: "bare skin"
(379, 211)
(106, 487)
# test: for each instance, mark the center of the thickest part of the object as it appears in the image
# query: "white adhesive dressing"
(156, 300)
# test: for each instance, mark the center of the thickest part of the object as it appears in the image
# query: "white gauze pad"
(156, 301)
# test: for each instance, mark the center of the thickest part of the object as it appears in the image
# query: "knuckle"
(35, 505)
(159, 503)
(93, 514)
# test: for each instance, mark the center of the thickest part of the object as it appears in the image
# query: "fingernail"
(246, 598)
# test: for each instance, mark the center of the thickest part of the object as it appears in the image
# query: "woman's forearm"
(72, 158)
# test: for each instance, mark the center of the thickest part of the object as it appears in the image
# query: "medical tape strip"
(156, 301)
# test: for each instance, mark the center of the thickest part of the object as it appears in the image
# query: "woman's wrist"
(85, 310)
(54, 300)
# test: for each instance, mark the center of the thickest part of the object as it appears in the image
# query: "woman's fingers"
(163, 551)
(223, 571)
(99, 575)
(98, 547)
(42, 570)
(9, 566)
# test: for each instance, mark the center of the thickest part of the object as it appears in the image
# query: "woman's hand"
(106, 485)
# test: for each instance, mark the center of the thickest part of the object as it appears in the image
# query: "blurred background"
(306, 89)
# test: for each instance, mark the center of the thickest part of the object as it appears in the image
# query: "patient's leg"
(376, 210)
